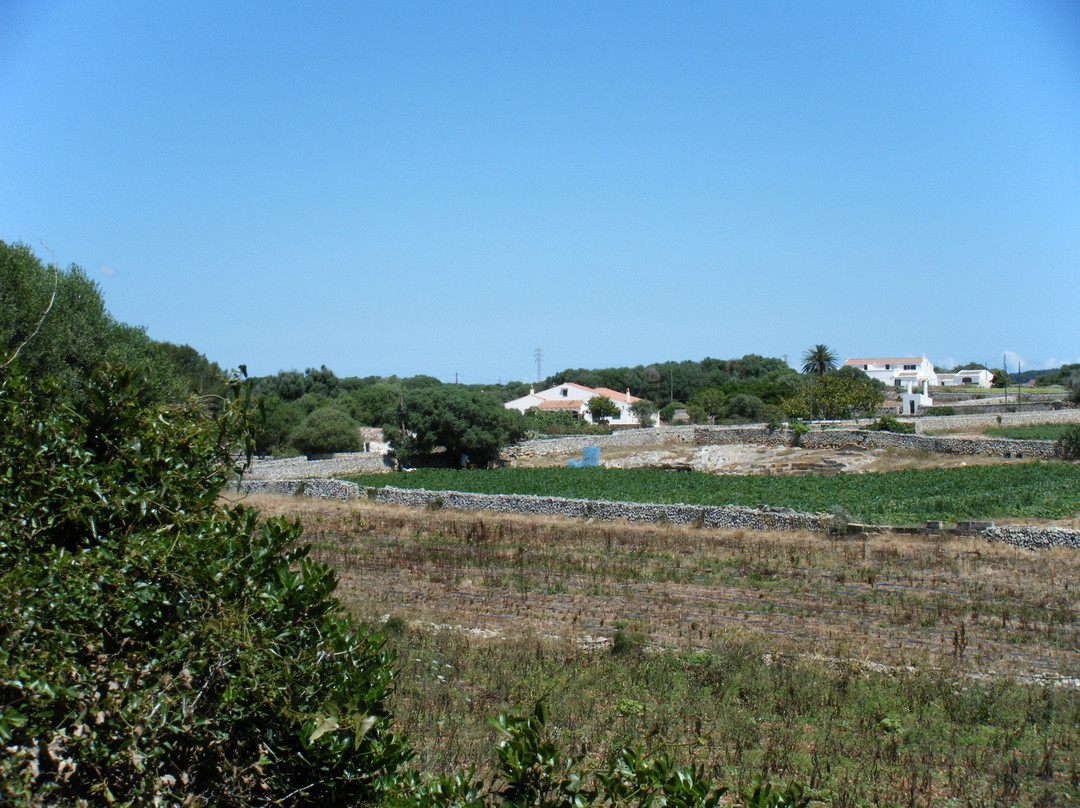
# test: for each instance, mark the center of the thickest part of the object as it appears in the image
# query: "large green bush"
(327, 429)
(154, 646)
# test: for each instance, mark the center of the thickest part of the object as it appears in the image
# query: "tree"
(275, 421)
(460, 420)
(819, 360)
(644, 411)
(372, 404)
(601, 408)
(837, 395)
(709, 402)
(326, 430)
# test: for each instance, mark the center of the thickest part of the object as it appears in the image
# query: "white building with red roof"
(574, 398)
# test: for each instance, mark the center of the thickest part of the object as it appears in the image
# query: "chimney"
(627, 395)
(531, 391)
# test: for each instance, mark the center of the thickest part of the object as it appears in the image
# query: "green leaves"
(158, 646)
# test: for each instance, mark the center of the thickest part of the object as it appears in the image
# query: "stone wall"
(942, 423)
(839, 438)
(341, 464)
(1034, 538)
(318, 488)
(573, 444)
(729, 516)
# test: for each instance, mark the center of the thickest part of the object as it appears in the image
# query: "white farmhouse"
(902, 371)
(967, 378)
(574, 398)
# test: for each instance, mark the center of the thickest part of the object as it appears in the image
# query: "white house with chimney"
(574, 398)
(914, 371)
(898, 371)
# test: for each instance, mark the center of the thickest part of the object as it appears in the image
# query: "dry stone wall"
(623, 439)
(728, 516)
(839, 438)
(316, 487)
(1034, 538)
(939, 423)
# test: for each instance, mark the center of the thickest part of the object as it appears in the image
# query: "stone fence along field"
(839, 438)
(939, 423)
(814, 439)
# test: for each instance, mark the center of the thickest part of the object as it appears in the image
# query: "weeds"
(846, 665)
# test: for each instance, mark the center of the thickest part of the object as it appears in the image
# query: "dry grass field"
(878, 670)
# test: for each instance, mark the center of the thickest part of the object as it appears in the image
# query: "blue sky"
(442, 188)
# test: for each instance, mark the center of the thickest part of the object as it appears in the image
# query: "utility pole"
(539, 354)
(1005, 370)
(1018, 385)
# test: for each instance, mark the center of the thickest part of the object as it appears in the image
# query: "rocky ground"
(733, 459)
(755, 459)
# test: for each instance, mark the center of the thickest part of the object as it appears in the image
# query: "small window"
(887, 368)
(909, 367)
(563, 392)
(866, 367)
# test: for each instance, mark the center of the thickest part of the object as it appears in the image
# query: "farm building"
(574, 398)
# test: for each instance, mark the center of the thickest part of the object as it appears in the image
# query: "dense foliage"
(542, 423)
(1068, 445)
(53, 322)
(155, 647)
(327, 429)
(667, 381)
(1028, 490)
(836, 395)
(601, 408)
(470, 426)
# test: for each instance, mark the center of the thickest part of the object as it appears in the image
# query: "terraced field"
(877, 670)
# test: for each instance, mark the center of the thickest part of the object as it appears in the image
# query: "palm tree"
(819, 360)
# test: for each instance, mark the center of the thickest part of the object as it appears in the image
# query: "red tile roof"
(615, 394)
(560, 404)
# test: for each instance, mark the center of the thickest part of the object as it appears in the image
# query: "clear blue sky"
(443, 187)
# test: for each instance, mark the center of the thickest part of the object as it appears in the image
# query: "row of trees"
(316, 411)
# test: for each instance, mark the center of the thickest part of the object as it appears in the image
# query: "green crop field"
(1029, 490)
(1029, 432)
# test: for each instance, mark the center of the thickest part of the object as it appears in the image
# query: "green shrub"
(940, 411)
(1068, 445)
(888, 423)
(155, 647)
(626, 642)
(326, 430)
